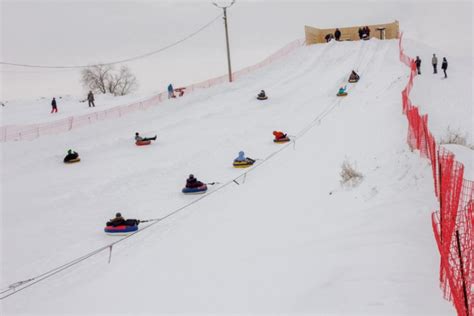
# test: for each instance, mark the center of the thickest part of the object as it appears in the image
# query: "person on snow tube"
(241, 158)
(192, 182)
(342, 90)
(119, 221)
(71, 155)
(138, 138)
(279, 135)
(354, 76)
(262, 94)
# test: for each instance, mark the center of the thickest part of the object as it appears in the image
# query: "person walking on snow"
(434, 62)
(90, 98)
(444, 66)
(54, 106)
(418, 64)
(171, 91)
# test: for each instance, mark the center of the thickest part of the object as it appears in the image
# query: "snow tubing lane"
(122, 229)
(199, 190)
(73, 160)
(342, 94)
(143, 142)
(281, 140)
(259, 98)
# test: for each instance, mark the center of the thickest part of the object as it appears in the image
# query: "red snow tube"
(143, 142)
(282, 140)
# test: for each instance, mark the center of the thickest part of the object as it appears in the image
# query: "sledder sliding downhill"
(242, 162)
(354, 77)
(118, 226)
(71, 157)
(280, 137)
(262, 95)
(342, 91)
(193, 186)
(142, 141)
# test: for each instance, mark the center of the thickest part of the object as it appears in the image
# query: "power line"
(118, 61)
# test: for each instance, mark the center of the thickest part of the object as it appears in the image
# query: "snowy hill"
(288, 239)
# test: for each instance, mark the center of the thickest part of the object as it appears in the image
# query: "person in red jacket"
(279, 135)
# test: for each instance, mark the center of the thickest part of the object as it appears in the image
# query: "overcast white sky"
(83, 32)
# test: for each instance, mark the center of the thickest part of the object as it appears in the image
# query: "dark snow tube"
(143, 142)
(73, 160)
(120, 230)
(198, 190)
(262, 98)
(342, 94)
(282, 140)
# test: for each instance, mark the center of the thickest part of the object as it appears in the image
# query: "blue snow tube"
(198, 190)
(120, 229)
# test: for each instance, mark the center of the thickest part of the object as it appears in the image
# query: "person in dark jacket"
(354, 76)
(418, 64)
(90, 98)
(54, 106)
(193, 183)
(434, 62)
(116, 221)
(360, 32)
(337, 34)
(262, 94)
(171, 91)
(367, 32)
(328, 37)
(142, 139)
(444, 66)
(71, 155)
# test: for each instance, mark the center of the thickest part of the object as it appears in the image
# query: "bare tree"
(96, 77)
(103, 79)
(126, 82)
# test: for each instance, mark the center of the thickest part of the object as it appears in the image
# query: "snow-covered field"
(288, 240)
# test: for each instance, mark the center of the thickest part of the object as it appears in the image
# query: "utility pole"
(226, 36)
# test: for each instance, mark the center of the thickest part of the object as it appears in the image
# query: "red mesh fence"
(32, 131)
(453, 223)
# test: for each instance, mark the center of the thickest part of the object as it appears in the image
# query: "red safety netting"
(453, 223)
(32, 131)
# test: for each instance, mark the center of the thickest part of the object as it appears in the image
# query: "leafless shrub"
(349, 175)
(456, 137)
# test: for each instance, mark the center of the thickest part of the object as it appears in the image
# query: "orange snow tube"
(143, 142)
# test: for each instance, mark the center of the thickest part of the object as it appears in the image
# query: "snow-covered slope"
(288, 240)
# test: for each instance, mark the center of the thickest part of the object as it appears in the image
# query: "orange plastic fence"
(32, 131)
(453, 223)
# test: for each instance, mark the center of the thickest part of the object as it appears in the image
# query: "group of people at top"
(364, 33)
(434, 63)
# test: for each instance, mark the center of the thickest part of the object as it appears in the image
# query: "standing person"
(337, 34)
(90, 98)
(171, 91)
(444, 66)
(360, 32)
(54, 106)
(434, 62)
(418, 64)
(367, 31)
